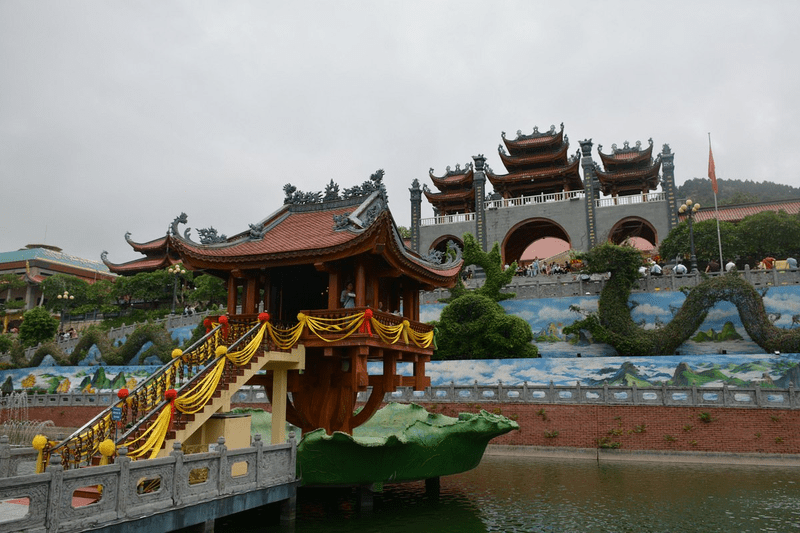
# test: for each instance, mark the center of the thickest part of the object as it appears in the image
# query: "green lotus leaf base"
(401, 442)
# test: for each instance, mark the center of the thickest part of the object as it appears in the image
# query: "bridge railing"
(133, 489)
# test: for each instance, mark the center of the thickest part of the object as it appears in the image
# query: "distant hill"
(736, 191)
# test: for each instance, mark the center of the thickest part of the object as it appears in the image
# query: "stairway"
(234, 377)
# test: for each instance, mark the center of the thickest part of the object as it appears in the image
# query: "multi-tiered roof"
(628, 170)
(456, 192)
(537, 164)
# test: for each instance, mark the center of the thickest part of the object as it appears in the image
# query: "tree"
(57, 284)
(208, 290)
(37, 326)
(10, 282)
(769, 233)
(6, 343)
(476, 327)
(677, 244)
(404, 232)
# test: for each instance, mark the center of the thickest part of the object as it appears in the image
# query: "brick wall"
(627, 427)
(641, 427)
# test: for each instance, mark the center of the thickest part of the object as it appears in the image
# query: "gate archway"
(633, 228)
(440, 243)
(527, 232)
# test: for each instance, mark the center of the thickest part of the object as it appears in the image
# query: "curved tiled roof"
(308, 234)
(535, 141)
(52, 256)
(626, 156)
(520, 161)
(735, 213)
(453, 179)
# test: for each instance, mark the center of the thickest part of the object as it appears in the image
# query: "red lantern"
(225, 327)
(122, 394)
(170, 395)
(263, 317)
(207, 324)
(366, 327)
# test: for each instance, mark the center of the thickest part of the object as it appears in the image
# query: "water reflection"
(518, 494)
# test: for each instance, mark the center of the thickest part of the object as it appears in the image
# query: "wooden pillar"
(250, 296)
(334, 290)
(361, 284)
(279, 378)
(232, 292)
(408, 300)
(267, 289)
(376, 289)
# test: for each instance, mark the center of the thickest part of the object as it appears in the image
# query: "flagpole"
(712, 174)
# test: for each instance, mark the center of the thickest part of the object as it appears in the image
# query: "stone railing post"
(56, 472)
(222, 450)
(633, 394)
(124, 463)
(5, 457)
(258, 444)
(293, 461)
(178, 479)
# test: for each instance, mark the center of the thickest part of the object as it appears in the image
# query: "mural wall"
(719, 353)
(722, 332)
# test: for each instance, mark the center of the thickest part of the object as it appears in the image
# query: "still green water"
(520, 494)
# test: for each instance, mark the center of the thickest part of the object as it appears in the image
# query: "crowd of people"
(540, 267)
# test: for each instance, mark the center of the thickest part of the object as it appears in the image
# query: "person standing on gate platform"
(348, 297)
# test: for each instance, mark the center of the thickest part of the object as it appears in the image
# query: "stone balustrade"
(567, 285)
(737, 397)
(186, 488)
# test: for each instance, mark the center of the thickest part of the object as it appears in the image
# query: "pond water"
(527, 494)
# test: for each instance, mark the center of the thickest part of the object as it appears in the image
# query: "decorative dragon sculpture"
(613, 324)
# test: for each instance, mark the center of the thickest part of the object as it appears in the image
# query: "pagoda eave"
(523, 144)
(517, 162)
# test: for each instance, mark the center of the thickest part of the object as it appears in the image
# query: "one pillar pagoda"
(296, 264)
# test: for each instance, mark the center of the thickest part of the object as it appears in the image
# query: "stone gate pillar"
(416, 213)
(590, 192)
(479, 185)
(668, 185)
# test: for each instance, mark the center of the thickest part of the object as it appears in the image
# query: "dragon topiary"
(612, 324)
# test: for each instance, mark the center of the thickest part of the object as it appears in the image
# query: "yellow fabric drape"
(153, 437)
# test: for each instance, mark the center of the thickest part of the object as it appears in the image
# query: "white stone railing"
(564, 196)
(123, 498)
(504, 203)
(447, 219)
(632, 199)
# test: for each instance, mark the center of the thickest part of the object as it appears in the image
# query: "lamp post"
(65, 298)
(689, 209)
(176, 270)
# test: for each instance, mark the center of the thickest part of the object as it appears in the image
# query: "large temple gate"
(613, 202)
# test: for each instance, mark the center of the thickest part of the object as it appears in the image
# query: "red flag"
(712, 171)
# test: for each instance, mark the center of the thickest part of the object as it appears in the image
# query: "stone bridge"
(163, 494)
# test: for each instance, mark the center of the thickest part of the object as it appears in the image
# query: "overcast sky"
(117, 116)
